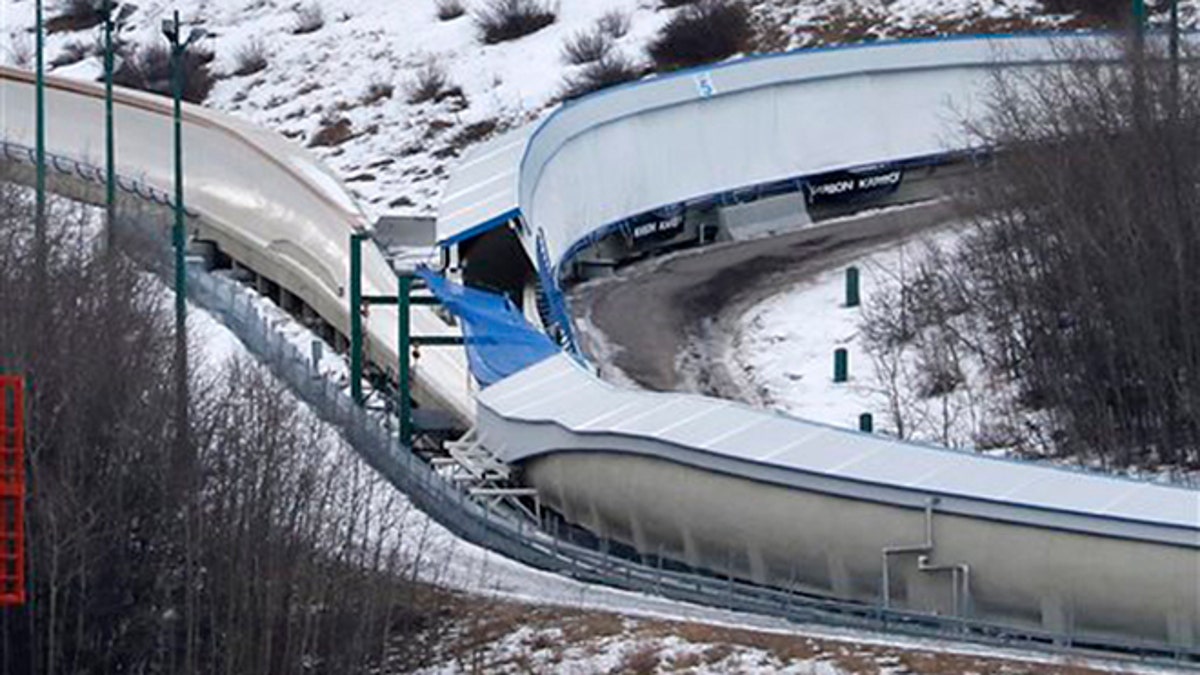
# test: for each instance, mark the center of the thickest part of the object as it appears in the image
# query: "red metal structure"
(12, 490)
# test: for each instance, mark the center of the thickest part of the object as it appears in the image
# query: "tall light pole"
(1174, 54)
(171, 28)
(39, 222)
(1139, 62)
(105, 8)
(184, 466)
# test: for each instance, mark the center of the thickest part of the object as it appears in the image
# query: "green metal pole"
(405, 407)
(1174, 50)
(178, 241)
(841, 365)
(866, 423)
(39, 224)
(356, 327)
(852, 283)
(1139, 56)
(110, 196)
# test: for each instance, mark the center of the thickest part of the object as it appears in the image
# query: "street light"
(105, 9)
(171, 29)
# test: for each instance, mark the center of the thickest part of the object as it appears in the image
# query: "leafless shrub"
(1073, 282)
(21, 50)
(607, 72)
(333, 130)
(429, 83)
(504, 20)
(702, 32)
(151, 560)
(310, 18)
(72, 52)
(614, 23)
(474, 133)
(586, 46)
(74, 15)
(448, 10)
(149, 68)
(1103, 10)
(250, 59)
(376, 92)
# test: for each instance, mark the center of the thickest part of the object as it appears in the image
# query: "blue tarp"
(499, 341)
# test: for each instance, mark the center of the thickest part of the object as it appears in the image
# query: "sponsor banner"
(657, 226)
(656, 230)
(849, 186)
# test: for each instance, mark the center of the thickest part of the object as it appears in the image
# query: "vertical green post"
(356, 322)
(866, 423)
(1174, 55)
(178, 234)
(110, 193)
(841, 365)
(39, 223)
(1139, 65)
(404, 384)
(852, 280)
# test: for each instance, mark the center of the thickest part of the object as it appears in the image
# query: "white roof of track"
(482, 192)
(558, 396)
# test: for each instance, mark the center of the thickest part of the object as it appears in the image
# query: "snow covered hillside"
(345, 77)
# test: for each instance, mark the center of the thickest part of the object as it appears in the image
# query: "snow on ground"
(358, 67)
(782, 355)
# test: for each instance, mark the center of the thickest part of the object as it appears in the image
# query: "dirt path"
(659, 314)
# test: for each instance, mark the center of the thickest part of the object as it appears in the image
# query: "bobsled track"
(695, 498)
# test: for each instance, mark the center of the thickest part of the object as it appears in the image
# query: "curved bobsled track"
(719, 486)
(267, 204)
(772, 499)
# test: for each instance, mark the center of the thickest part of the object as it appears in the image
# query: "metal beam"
(403, 390)
(438, 341)
(356, 323)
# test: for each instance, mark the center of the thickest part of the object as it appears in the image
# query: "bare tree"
(1078, 282)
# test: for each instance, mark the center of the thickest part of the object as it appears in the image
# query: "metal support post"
(1174, 55)
(356, 323)
(841, 365)
(852, 280)
(110, 187)
(171, 29)
(403, 390)
(40, 254)
(1139, 63)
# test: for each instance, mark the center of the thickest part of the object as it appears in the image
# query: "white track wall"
(267, 203)
(667, 140)
(693, 135)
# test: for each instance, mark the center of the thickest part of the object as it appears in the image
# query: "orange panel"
(12, 490)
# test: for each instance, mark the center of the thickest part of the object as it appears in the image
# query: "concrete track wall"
(267, 203)
(1085, 586)
(700, 133)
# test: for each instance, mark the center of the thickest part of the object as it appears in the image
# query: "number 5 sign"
(704, 85)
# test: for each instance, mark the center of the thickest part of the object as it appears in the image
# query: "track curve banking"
(766, 497)
(721, 486)
(266, 203)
